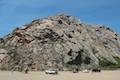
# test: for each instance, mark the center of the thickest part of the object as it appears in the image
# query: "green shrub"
(105, 63)
(109, 65)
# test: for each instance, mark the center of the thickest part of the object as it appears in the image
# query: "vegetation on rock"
(60, 42)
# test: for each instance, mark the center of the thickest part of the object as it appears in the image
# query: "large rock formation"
(58, 41)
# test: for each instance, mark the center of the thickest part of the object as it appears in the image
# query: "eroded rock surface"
(58, 41)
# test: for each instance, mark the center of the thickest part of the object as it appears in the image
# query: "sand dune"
(104, 75)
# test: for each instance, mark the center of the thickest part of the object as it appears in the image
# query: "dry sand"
(104, 75)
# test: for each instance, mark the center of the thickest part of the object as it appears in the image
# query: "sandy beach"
(104, 75)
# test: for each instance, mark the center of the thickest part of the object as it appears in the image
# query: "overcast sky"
(15, 13)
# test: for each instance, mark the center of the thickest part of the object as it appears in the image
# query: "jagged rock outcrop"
(58, 41)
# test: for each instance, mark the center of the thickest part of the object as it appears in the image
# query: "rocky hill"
(61, 42)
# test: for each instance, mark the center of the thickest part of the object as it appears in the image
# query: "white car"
(85, 71)
(51, 71)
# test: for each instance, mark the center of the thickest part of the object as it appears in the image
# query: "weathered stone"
(60, 42)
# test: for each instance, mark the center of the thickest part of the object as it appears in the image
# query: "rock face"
(60, 42)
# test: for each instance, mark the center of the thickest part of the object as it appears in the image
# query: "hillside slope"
(59, 41)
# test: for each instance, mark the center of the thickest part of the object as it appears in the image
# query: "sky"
(15, 13)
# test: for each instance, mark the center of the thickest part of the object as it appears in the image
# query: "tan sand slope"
(104, 75)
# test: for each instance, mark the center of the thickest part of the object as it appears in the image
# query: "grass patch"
(105, 64)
